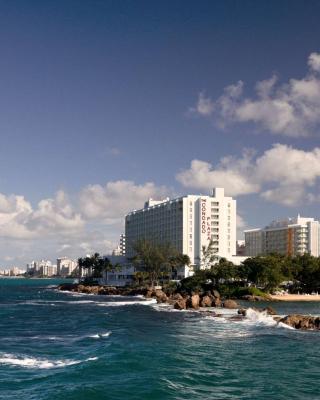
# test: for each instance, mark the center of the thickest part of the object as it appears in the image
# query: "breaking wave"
(254, 317)
(100, 335)
(38, 363)
(127, 303)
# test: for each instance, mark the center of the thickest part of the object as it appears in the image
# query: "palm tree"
(81, 265)
(209, 256)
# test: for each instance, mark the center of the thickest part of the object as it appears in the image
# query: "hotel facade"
(188, 223)
(291, 236)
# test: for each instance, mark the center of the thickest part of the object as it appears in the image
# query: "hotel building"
(188, 223)
(291, 236)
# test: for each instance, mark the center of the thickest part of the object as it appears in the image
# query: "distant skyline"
(104, 104)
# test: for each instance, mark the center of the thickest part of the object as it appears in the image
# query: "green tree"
(95, 265)
(307, 272)
(225, 269)
(157, 259)
(264, 271)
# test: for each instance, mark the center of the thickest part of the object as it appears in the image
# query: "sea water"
(57, 345)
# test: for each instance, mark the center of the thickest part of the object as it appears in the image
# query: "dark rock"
(150, 294)
(195, 301)
(68, 286)
(242, 311)
(206, 301)
(180, 304)
(216, 294)
(248, 297)
(161, 296)
(270, 310)
(304, 322)
(177, 296)
(216, 302)
(231, 304)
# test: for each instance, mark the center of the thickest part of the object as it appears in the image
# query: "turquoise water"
(57, 345)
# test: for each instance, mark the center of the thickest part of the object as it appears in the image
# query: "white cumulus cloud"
(314, 61)
(112, 201)
(282, 174)
(18, 219)
(291, 109)
(234, 174)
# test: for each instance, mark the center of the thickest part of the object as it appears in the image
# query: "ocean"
(57, 345)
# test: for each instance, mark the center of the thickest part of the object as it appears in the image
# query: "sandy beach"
(296, 297)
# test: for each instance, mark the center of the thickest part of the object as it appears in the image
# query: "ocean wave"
(100, 335)
(262, 318)
(38, 363)
(127, 303)
(53, 302)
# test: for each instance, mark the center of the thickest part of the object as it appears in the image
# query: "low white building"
(290, 236)
(121, 275)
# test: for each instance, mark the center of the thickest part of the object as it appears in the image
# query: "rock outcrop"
(216, 302)
(216, 294)
(194, 302)
(180, 301)
(180, 304)
(270, 311)
(206, 301)
(161, 296)
(230, 304)
(304, 322)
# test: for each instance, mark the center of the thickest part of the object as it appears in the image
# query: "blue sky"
(104, 103)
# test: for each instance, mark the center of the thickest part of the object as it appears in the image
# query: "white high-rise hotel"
(188, 222)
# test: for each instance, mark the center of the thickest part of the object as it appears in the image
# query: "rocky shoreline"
(195, 301)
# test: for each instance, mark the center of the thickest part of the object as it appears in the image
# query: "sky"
(104, 104)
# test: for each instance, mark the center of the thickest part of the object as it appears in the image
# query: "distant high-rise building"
(122, 245)
(32, 267)
(291, 236)
(47, 269)
(66, 266)
(188, 223)
(120, 250)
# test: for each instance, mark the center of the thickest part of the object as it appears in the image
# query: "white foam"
(38, 363)
(54, 302)
(259, 318)
(127, 303)
(100, 335)
(262, 318)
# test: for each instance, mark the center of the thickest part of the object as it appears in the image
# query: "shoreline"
(296, 297)
(204, 303)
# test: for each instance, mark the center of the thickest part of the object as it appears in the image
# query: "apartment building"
(291, 236)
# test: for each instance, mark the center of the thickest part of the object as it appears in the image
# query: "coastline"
(296, 297)
(204, 302)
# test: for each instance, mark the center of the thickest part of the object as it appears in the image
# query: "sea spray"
(256, 317)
